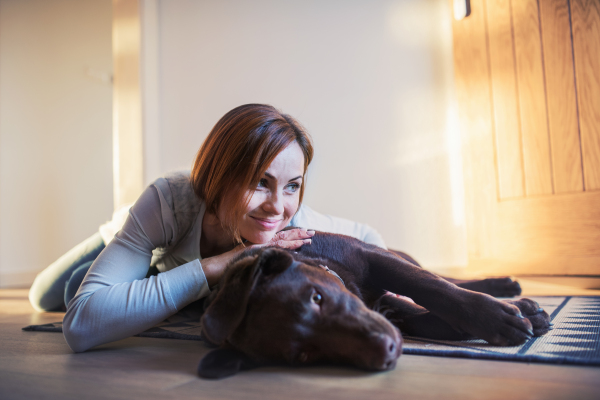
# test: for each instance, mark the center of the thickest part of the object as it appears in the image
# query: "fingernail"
(307, 241)
(310, 232)
(530, 331)
(540, 309)
(520, 315)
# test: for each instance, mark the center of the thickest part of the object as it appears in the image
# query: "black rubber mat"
(575, 338)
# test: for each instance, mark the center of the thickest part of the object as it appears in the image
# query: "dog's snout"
(391, 346)
(387, 350)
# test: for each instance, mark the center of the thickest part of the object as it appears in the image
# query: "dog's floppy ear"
(228, 308)
(222, 363)
(274, 261)
(226, 311)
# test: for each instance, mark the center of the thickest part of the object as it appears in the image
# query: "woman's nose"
(274, 204)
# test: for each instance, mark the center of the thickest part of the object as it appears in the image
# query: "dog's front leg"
(477, 314)
(414, 320)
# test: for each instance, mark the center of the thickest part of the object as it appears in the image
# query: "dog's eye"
(303, 357)
(316, 298)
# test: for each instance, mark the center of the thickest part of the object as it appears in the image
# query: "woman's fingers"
(290, 239)
(293, 235)
(292, 244)
(284, 244)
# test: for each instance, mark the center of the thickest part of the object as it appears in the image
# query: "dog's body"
(279, 306)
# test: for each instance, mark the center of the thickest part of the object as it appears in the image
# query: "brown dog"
(316, 305)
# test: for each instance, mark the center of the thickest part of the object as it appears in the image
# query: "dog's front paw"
(540, 320)
(500, 323)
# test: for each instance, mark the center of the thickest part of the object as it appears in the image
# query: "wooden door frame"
(127, 103)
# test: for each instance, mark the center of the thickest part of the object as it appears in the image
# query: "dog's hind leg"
(414, 320)
(497, 287)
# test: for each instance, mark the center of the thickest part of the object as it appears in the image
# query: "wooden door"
(527, 78)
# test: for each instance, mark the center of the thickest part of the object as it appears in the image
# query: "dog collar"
(326, 268)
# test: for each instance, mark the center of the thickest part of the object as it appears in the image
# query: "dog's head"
(270, 308)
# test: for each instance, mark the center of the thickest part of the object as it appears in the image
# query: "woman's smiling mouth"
(267, 223)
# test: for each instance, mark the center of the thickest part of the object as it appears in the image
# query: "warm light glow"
(128, 164)
(405, 20)
(453, 142)
(462, 9)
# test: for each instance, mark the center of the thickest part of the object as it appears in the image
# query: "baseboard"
(578, 281)
(17, 279)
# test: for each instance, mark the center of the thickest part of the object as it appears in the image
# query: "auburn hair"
(236, 154)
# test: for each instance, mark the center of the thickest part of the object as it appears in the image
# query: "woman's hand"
(289, 239)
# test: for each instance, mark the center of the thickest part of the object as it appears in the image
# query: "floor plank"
(36, 365)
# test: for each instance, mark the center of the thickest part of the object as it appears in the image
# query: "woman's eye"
(293, 187)
(262, 183)
(316, 298)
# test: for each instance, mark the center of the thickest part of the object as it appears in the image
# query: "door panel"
(586, 46)
(532, 99)
(505, 100)
(563, 120)
(529, 109)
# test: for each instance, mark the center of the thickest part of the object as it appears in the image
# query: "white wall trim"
(17, 279)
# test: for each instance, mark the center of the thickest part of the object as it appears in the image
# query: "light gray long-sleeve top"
(116, 300)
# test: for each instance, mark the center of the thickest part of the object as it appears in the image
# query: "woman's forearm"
(124, 309)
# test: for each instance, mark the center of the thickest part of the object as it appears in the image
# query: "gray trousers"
(55, 286)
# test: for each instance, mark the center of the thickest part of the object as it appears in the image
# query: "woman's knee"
(44, 297)
(47, 292)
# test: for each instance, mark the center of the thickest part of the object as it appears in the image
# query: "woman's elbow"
(76, 335)
(76, 338)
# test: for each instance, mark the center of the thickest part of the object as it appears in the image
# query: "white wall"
(372, 82)
(55, 130)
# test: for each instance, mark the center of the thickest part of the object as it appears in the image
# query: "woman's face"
(276, 198)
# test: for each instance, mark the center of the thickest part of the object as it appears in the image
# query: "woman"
(246, 185)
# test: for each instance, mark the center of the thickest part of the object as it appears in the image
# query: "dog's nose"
(389, 349)
(393, 349)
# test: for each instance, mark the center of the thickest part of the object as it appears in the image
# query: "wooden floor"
(39, 365)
